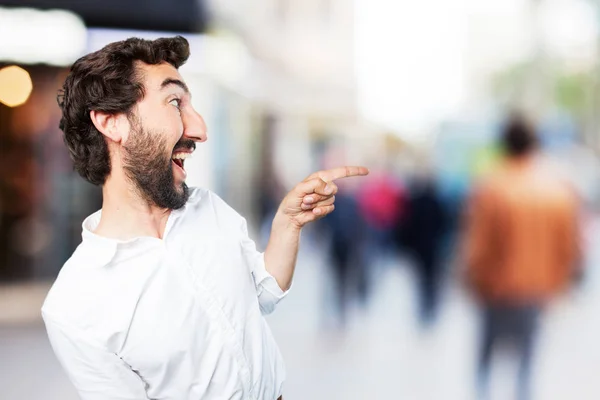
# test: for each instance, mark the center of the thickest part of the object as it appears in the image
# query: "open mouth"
(179, 158)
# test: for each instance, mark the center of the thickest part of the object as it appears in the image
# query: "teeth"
(181, 156)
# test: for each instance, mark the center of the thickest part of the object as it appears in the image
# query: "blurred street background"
(418, 91)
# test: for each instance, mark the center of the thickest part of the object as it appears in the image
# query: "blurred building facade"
(303, 77)
(42, 200)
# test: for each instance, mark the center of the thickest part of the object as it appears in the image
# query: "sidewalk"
(382, 355)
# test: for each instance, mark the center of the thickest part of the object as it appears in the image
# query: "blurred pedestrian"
(346, 232)
(381, 202)
(521, 249)
(420, 234)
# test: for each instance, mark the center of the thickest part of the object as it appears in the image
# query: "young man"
(521, 248)
(164, 297)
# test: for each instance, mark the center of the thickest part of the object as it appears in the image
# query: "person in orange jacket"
(521, 247)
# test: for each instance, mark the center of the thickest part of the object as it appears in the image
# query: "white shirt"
(178, 318)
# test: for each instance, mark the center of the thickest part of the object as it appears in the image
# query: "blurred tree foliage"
(568, 90)
(571, 91)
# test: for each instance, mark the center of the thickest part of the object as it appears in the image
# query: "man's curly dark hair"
(108, 81)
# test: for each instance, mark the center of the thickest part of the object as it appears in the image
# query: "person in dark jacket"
(421, 236)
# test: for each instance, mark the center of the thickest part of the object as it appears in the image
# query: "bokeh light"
(15, 86)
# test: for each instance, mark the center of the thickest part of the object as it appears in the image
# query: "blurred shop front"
(42, 200)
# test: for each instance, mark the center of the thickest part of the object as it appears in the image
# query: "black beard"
(150, 169)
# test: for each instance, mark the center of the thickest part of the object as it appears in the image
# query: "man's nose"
(193, 126)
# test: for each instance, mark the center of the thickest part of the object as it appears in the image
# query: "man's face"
(164, 129)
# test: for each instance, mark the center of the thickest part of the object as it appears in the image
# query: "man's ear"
(110, 125)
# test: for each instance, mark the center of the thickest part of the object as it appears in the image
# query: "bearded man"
(165, 296)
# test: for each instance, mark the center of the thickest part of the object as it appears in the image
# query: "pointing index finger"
(342, 172)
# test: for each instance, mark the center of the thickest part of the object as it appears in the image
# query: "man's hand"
(314, 197)
(310, 200)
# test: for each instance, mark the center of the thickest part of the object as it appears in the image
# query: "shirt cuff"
(268, 290)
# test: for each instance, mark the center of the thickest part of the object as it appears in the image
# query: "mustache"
(185, 144)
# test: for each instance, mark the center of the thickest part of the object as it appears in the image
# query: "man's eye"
(176, 103)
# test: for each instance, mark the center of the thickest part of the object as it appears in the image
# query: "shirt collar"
(195, 195)
(104, 249)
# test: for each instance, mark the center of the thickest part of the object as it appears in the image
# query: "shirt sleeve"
(96, 373)
(267, 289)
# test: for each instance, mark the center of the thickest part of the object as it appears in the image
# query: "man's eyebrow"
(176, 82)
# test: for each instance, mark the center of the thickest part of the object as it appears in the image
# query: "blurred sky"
(416, 66)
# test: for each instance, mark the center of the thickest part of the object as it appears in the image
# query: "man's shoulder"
(71, 289)
(485, 185)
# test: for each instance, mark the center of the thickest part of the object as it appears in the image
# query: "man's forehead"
(155, 75)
